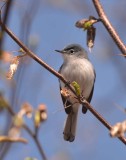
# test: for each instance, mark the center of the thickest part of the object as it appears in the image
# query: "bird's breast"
(81, 71)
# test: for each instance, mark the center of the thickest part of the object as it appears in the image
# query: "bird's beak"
(61, 51)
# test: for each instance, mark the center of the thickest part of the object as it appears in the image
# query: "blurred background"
(48, 25)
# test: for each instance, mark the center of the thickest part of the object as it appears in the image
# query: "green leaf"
(77, 88)
(87, 25)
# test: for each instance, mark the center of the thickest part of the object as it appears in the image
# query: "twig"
(34, 136)
(12, 139)
(7, 11)
(42, 63)
(101, 119)
(109, 26)
(5, 19)
(40, 148)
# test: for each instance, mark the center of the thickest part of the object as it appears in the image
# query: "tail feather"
(70, 126)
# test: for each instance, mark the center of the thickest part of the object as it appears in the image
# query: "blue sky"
(54, 27)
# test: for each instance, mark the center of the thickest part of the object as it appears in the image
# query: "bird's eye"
(71, 51)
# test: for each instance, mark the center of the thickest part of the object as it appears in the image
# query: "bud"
(27, 109)
(37, 119)
(18, 121)
(40, 115)
(43, 112)
(80, 23)
(86, 23)
(21, 50)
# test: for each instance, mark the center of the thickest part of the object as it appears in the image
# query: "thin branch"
(5, 19)
(8, 139)
(51, 70)
(12, 139)
(101, 119)
(40, 147)
(109, 26)
(35, 138)
(7, 11)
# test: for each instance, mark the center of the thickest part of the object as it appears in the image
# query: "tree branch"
(101, 119)
(109, 26)
(51, 70)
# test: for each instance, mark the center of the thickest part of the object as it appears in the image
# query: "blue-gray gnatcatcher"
(78, 68)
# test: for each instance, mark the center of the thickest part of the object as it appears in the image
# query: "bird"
(76, 67)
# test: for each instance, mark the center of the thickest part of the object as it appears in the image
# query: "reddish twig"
(51, 70)
(109, 26)
(101, 119)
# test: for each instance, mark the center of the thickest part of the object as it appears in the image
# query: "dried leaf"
(118, 129)
(65, 92)
(91, 37)
(13, 67)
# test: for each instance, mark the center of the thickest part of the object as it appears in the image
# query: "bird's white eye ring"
(71, 51)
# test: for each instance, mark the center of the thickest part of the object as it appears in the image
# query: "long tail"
(70, 126)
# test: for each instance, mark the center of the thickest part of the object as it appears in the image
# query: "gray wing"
(66, 103)
(84, 109)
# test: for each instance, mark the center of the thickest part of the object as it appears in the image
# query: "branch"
(19, 139)
(7, 11)
(10, 139)
(5, 19)
(35, 138)
(109, 26)
(101, 119)
(51, 70)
